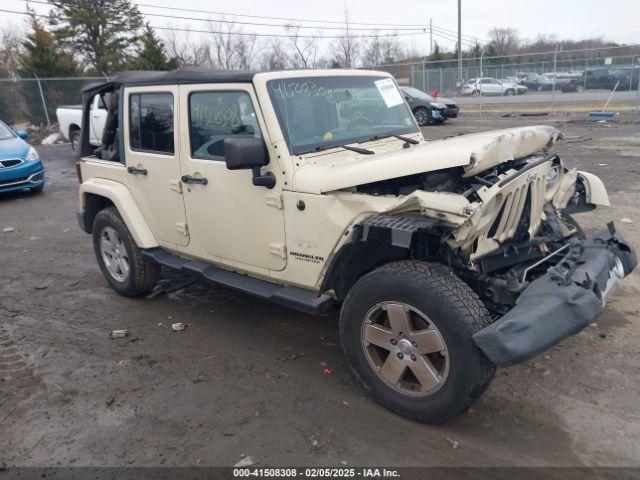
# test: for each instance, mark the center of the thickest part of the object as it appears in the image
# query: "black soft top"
(180, 76)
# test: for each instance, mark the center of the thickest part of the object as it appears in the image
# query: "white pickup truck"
(70, 120)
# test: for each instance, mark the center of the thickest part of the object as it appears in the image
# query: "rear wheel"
(423, 116)
(74, 137)
(406, 330)
(121, 261)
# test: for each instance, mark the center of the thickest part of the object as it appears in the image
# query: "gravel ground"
(246, 377)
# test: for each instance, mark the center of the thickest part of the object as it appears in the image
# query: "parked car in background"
(488, 86)
(628, 77)
(20, 165)
(534, 81)
(419, 100)
(70, 120)
(520, 89)
(595, 78)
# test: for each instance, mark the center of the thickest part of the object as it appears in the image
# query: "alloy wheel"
(114, 254)
(405, 349)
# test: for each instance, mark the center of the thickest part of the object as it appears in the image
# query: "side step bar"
(306, 301)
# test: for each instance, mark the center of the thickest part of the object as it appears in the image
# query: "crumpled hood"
(476, 152)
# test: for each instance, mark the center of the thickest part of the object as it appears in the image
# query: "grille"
(506, 223)
(519, 203)
(12, 162)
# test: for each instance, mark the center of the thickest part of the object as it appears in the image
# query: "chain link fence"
(617, 67)
(34, 100)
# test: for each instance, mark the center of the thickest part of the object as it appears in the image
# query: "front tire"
(423, 116)
(406, 330)
(128, 272)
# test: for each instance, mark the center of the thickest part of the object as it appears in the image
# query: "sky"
(571, 19)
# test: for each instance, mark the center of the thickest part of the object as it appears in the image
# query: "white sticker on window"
(389, 91)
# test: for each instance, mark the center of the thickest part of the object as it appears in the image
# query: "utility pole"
(430, 36)
(460, 41)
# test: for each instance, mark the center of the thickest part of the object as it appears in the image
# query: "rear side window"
(214, 116)
(151, 122)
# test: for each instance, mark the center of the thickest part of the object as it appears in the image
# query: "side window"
(151, 122)
(214, 116)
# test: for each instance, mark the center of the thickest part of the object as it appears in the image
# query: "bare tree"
(189, 52)
(504, 40)
(275, 56)
(347, 47)
(10, 50)
(380, 50)
(306, 50)
(232, 49)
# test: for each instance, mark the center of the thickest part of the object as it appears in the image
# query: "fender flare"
(594, 189)
(126, 205)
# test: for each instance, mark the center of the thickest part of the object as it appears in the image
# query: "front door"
(152, 159)
(230, 220)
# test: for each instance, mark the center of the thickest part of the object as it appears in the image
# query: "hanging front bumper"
(561, 302)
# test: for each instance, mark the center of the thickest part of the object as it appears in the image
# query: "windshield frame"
(6, 128)
(327, 145)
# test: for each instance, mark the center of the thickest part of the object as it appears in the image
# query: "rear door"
(151, 119)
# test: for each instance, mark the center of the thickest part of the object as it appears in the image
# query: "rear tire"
(74, 138)
(442, 311)
(128, 272)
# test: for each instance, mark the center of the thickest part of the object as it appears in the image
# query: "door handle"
(190, 179)
(137, 171)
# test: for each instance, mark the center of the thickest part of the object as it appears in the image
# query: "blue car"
(20, 165)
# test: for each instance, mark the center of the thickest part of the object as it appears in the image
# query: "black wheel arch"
(378, 240)
(93, 204)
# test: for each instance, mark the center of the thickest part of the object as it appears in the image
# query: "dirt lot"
(246, 377)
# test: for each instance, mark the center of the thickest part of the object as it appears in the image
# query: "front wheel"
(509, 93)
(423, 116)
(128, 272)
(406, 330)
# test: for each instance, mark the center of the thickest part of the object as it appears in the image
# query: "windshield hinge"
(274, 200)
(182, 228)
(278, 249)
(175, 185)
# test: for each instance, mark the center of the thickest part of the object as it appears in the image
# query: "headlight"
(438, 105)
(553, 176)
(32, 155)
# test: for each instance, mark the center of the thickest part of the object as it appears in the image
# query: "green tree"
(43, 57)
(104, 32)
(153, 55)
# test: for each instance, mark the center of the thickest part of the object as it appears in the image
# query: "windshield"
(5, 132)
(316, 113)
(415, 93)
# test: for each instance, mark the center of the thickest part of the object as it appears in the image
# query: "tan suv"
(315, 189)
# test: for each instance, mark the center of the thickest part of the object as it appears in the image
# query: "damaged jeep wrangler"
(317, 188)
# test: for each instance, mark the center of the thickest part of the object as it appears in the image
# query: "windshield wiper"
(412, 141)
(363, 151)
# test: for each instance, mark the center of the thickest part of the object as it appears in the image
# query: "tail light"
(79, 172)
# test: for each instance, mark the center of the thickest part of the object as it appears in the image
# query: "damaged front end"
(505, 230)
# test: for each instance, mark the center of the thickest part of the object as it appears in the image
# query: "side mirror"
(22, 134)
(246, 153)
